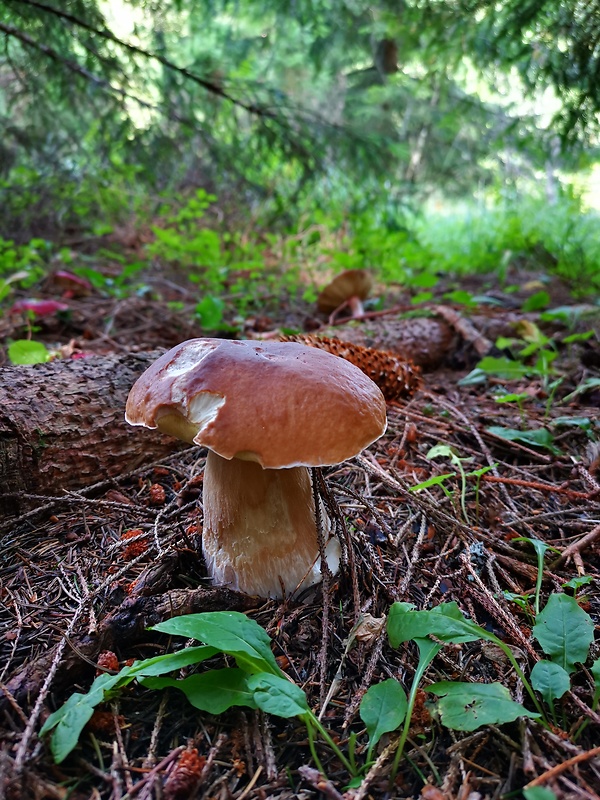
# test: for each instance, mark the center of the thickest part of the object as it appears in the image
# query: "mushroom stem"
(260, 533)
(354, 304)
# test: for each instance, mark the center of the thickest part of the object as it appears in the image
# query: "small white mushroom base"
(259, 534)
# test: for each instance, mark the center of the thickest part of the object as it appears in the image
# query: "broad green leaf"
(214, 691)
(172, 661)
(538, 793)
(232, 633)
(468, 706)
(277, 695)
(383, 709)
(550, 680)
(536, 438)
(565, 631)
(445, 622)
(25, 351)
(70, 719)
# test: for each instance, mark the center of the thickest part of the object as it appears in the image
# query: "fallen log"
(62, 426)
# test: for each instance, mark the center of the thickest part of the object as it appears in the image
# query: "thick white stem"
(259, 531)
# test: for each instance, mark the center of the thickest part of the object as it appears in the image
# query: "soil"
(85, 573)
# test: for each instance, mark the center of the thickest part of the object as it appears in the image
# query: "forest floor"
(74, 587)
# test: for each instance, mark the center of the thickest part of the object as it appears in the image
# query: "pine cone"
(395, 377)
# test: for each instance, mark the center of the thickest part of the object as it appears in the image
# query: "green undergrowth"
(235, 271)
(563, 631)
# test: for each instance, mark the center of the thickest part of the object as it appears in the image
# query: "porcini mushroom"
(266, 411)
(346, 290)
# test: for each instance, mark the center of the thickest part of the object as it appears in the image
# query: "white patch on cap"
(190, 356)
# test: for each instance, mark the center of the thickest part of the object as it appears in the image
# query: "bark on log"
(62, 426)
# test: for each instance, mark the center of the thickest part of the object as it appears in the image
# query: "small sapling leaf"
(565, 631)
(383, 709)
(436, 480)
(468, 706)
(550, 680)
(577, 582)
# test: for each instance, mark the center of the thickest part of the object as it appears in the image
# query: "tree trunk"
(62, 426)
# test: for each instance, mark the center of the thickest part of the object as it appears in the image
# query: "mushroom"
(266, 411)
(346, 290)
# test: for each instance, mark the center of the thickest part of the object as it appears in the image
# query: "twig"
(542, 487)
(558, 769)
(250, 785)
(154, 771)
(321, 784)
(578, 546)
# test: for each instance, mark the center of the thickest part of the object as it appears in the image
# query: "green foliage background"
(312, 112)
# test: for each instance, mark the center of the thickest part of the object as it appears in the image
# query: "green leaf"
(461, 297)
(468, 706)
(538, 793)
(442, 450)
(230, 632)
(214, 691)
(512, 398)
(278, 696)
(25, 351)
(70, 719)
(577, 582)
(585, 386)
(445, 622)
(538, 438)
(424, 280)
(504, 368)
(565, 631)
(210, 310)
(595, 670)
(536, 302)
(172, 661)
(475, 378)
(383, 709)
(436, 480)
(422, 297)
(550, 680)
(579, 337)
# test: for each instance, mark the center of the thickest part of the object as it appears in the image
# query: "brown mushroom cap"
(350, 283)
(281, 404)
